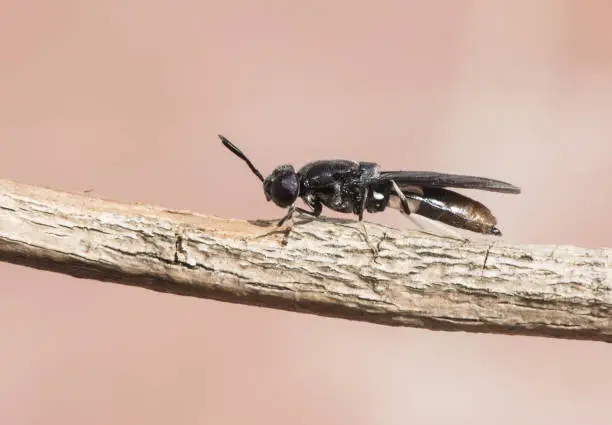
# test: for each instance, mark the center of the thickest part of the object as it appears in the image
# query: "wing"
(433, 179)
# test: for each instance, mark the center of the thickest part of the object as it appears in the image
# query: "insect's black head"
(282, 186)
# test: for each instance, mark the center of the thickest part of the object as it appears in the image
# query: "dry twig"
(324, 268)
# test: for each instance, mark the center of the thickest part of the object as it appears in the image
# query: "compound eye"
(284, 190)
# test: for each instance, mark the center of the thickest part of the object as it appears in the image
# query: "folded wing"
(433, 179)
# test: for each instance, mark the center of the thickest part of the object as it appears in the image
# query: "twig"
(325, 267)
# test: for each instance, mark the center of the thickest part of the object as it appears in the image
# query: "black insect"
(355, 187)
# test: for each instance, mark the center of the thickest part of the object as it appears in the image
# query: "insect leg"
(317, 207)
(443, 229)
(374, 247)
(287, 216)
(314, 213)
(416, 222)
(402, 197)
(366, 192)
(313, 203)
(406, 207)
(286, 231)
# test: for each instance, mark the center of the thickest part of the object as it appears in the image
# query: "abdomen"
(455, 210)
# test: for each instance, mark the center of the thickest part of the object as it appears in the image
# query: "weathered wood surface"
(322, 267)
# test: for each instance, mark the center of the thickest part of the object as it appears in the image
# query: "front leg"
(316, 206)
(314, 213)
(287, 216)
(312, 202)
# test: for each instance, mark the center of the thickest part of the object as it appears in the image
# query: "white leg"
(449, 231)
(373, 247)
(402, 197)
(445, 229)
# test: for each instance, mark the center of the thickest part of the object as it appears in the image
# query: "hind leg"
(445, 231)
(406, 207)
(406, 210)
(403, 199)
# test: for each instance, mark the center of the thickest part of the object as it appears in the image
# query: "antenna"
(239, 154)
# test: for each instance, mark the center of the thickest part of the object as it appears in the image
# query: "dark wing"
(433, 179)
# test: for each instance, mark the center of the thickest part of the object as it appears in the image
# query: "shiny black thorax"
(341, 185)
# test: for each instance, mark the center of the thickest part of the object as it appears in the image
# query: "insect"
(355, 187)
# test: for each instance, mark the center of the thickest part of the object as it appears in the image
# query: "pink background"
(126, 97)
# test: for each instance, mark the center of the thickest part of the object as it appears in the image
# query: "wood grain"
(322, 266)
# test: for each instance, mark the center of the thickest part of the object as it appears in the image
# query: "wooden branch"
(325, 267)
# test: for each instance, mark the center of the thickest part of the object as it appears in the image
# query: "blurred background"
(127, 97)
